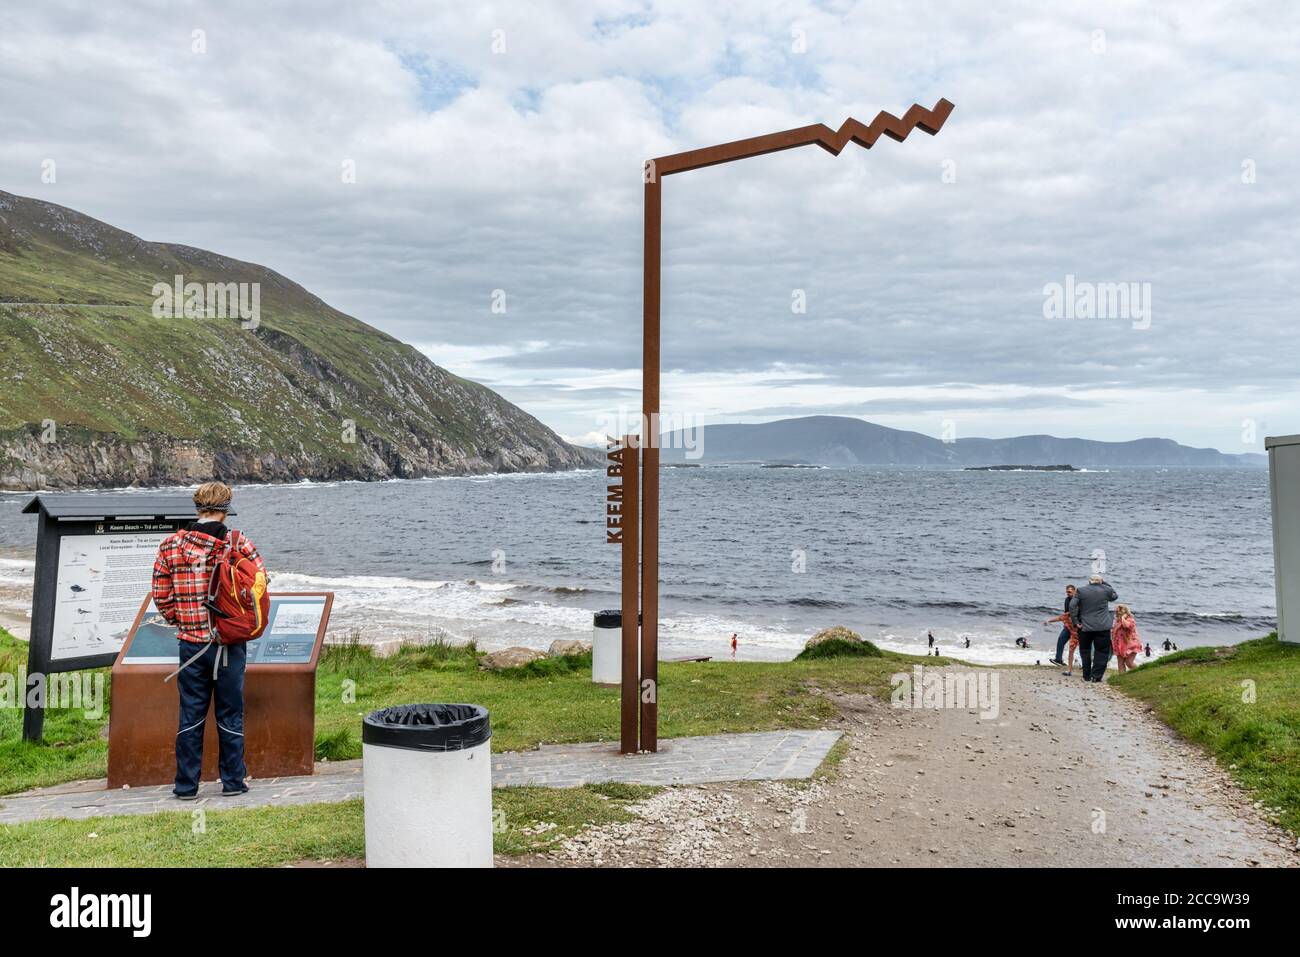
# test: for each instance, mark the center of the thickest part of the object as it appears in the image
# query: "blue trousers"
(1061, 640)
(198, 689)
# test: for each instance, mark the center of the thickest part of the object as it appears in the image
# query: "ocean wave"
(556, 589)
(303, 483)
(803, 601)
(818, 603)
(280, 580)
(1252, 621)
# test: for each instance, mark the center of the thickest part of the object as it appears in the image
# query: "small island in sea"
(1020, 468)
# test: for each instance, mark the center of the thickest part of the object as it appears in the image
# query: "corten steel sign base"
(279, 716)
(833, 141)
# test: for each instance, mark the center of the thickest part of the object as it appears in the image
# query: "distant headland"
(1020, 468)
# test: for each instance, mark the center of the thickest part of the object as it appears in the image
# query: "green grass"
(553, 700)
(529, 820)
(74, 747)
(1204, 694)
(550, 701)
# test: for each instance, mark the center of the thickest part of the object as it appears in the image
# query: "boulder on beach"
(836, 642)
(386, 647)
(509, 658)
(834, 633)
(561, 647)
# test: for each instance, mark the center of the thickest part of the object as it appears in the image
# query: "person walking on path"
(1124, 638)
(211, 675)
(1068, 633)
(1090, 609)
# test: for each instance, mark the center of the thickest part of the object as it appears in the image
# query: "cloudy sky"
(499, 147)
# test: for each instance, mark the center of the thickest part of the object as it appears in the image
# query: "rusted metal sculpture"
(833, 141)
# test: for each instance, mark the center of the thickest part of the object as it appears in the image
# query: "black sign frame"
(64, 515)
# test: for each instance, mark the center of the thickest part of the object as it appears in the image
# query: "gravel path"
(1065, 775)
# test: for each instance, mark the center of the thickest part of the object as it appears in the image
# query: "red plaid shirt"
(181, 574)
(1069, 623)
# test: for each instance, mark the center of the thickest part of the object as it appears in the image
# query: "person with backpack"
(211, 585)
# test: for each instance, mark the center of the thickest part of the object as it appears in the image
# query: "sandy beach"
(1068, 775)
(16, 569)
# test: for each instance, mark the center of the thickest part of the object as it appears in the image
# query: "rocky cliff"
(100, 386)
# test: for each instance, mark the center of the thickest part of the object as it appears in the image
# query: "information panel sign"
(279, 696)
(293, 626)
(101, 578)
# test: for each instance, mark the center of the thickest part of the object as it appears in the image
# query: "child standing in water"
(1124, 638)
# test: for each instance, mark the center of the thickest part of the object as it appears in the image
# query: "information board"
(279, 696)
(290, 637)
(101, 579)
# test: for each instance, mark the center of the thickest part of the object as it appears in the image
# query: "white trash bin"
(607, 648)
(428, 786)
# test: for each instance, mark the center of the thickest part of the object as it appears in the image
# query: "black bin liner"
(427, 727)
(612, 619)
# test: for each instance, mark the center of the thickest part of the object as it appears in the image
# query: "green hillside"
(139, 399)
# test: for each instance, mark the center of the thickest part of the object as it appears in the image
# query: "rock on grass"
(515, 657)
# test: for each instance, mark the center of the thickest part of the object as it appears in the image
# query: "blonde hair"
(1122, 611)
(213, 497)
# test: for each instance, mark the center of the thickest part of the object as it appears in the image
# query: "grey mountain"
(840, 440)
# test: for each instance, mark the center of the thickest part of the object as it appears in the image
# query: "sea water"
(770, 554)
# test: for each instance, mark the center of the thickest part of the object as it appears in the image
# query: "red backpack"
(237, 600)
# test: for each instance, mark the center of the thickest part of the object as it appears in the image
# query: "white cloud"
(520, 171)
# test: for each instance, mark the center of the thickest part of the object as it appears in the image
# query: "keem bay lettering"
(614, 493)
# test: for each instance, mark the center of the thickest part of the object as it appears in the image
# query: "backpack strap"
(192, 660)
(214, 576)
(214, 580)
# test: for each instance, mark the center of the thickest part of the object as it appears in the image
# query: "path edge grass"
(1240, 704)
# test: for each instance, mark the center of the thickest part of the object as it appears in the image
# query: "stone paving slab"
(758, 756)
